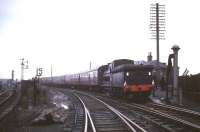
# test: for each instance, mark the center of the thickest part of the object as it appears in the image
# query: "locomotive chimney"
(149, 57)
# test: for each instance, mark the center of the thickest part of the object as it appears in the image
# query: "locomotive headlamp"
(149, 73)
(153, 82)
(127, 74)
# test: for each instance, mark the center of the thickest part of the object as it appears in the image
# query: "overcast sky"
(68, 34)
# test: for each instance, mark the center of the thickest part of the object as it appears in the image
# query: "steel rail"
(124, 118)
(124, 106)
(87, 115)
(4, 92)
(156, 112)
(91, 121)
(188, 111)
(8, 104)
(6, 98)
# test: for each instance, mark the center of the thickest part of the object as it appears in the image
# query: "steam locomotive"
(120, 78)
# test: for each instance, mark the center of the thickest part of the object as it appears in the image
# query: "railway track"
(99, 116)
(9, 100)
(165, 117)
(192, 118)
(77, 116)
(166, 120)
(88, 122)
(4, 96)
(6, 100)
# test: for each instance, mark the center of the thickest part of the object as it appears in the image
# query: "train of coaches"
(119, 78)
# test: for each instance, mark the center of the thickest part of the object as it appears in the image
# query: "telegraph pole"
(89, 72)
(13, 74)
(157, 32)
(51, 74)
(157, 24)
(90, 65)
(24, 65)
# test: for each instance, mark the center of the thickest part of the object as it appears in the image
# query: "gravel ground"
(161, 95)
(50, 117)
